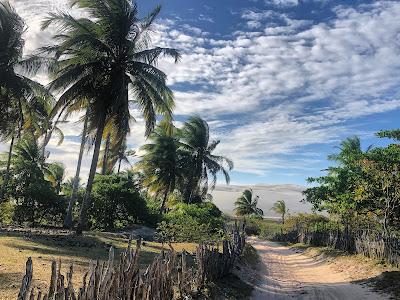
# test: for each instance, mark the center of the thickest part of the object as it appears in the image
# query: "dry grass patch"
(16, 247)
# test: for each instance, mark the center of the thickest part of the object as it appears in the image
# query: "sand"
(289, 274)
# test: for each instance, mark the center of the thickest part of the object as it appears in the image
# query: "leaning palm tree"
(246, 204)
(17, 92)
(160, 164)
(101, 58)
(201, 163)
(279, 207)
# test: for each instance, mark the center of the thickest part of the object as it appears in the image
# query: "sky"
(281, 82)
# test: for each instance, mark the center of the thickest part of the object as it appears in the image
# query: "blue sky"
(281, 82)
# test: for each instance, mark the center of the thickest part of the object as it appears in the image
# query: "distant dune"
(225, 196)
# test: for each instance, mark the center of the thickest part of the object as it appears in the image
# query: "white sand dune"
(225, 196)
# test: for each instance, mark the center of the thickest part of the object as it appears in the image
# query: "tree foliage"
(182, 160)
(246, 204)
(116, 202)
(192, 222)
(362, 183)
(36, 200)
(280, 208)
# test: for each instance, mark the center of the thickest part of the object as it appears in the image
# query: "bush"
(153, 212)
(307, 221)
(252, 227)
(6, 213)
(35, 199)
(192, 223)
(116, 203)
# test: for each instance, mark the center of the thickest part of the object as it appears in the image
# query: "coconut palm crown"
(246, 204)
(201, 163)
(279, 207)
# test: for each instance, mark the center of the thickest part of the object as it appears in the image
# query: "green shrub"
(35, 199)
(269, 228)
(306, 221)
(6, 213)
(153, 216)
(252, 226)
(192, 223)
(116, 202)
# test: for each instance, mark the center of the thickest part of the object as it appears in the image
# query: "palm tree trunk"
(105, 156)
(7, 175)
(86, 200)
(164, 200)
(119, 165)
(74, 195)
(193, 181)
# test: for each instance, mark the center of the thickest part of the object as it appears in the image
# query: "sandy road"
(289, 274)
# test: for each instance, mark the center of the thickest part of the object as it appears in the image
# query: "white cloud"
(278, 86)
(282, 2)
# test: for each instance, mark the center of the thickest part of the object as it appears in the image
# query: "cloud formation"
(276, 84)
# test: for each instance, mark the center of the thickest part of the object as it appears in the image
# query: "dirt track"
(289, 274)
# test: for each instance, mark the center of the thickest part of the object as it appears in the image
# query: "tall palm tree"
(247, 203)
(76, 182)
(161, 164)
(201, 163)
(101, 58)
(279, 207)
(17, 92)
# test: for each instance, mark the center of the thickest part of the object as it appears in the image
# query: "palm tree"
(121, 155)
(160, 164)
(201, 163)
(118, 153)
(101, 58)
(28, 149)
(75, 186)
(17, 92)
(55, 174)
(350, 150)
(279, 207)
(40, 121)
(246, 204)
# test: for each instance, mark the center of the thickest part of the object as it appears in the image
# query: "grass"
(44, 247)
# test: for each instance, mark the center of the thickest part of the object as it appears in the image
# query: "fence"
(167, 277)
(368, 243)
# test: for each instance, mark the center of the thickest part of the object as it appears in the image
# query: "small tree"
(246, 204)
(116, 202)
(279, 207)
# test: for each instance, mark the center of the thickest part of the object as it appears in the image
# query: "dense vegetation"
(362, 185)
(94, 64)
